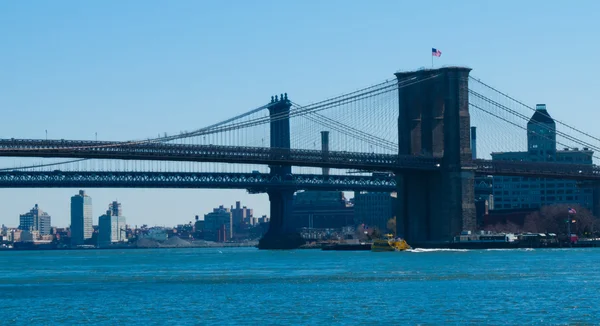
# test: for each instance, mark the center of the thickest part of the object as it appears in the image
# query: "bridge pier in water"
(280, 235)
(434, 120)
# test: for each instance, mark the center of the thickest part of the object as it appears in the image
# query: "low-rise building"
(218, 225)
(374, 209)
(154, 233)
(322, 210)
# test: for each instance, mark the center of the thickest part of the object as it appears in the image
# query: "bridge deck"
(257, 182)
(213, 153)
(274, 156)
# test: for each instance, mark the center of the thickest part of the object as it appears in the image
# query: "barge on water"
(488, 240)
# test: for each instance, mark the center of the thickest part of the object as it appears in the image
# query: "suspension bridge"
(411, 135)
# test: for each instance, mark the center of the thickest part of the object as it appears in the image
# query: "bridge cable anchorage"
(536, 123)
(512, 123)
(205, 131)
(533, 109)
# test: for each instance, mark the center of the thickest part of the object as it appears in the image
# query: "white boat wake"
(435, 250)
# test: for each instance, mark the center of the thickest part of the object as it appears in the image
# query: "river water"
(305, 287)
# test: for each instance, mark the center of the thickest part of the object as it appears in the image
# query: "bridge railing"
(213, 153)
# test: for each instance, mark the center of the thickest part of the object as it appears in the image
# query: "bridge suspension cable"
(349, 130)
(371, 91)
(536, 123)
(515, 124)
(533, 109)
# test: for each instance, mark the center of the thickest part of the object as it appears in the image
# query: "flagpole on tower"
(435, 53)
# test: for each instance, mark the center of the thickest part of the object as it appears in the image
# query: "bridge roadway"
(156, 151)
(259, 182)
(274, 156)
(255, 182)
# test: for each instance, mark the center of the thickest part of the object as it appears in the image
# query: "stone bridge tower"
(434, 121)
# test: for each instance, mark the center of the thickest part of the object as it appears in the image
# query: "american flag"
(572, 211)
(435, 52)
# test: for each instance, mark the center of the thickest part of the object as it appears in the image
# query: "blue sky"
(132, 69)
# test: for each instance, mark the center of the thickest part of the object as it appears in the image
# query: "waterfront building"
(511, 192)
(374, 209)
(35, 220)
(218, 225)
(321, 209)
(29, 236)
(111, 227)
(263, 219)
(199, 224)
(81, 218)
(154, 233)
(240, 215)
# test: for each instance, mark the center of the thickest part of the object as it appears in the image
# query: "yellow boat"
(389, 244)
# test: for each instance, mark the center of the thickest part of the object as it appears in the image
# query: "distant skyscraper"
(81, 218)
(35, 220)
(111, 226)
(115, 209)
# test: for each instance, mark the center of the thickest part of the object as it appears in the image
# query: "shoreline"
(131, 247)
